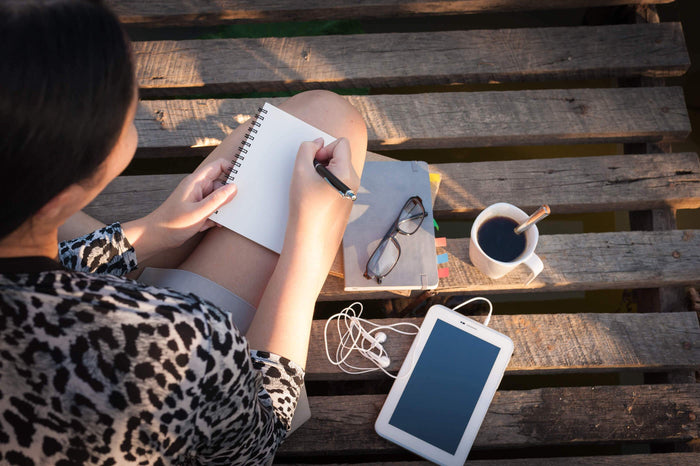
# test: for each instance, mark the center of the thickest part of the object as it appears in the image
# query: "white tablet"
(444, 387)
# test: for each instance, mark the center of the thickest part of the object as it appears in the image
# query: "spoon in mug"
(539, 214)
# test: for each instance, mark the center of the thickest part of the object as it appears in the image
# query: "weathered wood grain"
(666, 459)
(441, 120)
(201, 12)
(568, 185)
(551, 343)
(662, 299)
(344, 425)
(167, 68)
(635, 259)
(131, 197)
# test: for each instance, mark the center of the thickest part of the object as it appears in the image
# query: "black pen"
(332, 180)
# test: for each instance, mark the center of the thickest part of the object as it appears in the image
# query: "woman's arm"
(103, 251)
(170, 228)
(317, 220)
(183, 214)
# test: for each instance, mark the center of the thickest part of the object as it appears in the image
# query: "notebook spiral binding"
(249, 136)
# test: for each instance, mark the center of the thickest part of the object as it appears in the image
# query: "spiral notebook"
(262, 169)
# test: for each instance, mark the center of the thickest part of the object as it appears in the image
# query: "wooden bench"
(617, 386)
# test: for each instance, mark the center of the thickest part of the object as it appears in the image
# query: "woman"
(96, 368)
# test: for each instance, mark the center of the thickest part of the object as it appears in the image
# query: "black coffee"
(498, 240)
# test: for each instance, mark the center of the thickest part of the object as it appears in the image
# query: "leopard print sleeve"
(104, 251)
(282, 380)
(247, 397)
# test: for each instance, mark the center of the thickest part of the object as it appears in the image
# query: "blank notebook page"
(260, 209)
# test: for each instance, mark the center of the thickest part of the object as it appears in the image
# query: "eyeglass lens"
(411, 217)
(384, 259)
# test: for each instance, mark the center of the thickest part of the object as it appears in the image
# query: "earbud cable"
(478, 298)
(355, 338)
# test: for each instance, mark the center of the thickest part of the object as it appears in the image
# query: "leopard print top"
(99, 369)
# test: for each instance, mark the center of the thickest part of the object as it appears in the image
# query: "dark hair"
(66, 86)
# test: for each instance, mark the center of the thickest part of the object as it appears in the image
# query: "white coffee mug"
(494, 268)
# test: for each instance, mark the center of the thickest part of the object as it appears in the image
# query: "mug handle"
(534, 263)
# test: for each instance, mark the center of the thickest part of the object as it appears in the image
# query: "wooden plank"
(664, 299)
(344, 425)
(667, 459)
(166, 68)
(571, 185)
(634, 259)
(206, 12)
(130, 197)
(568, 185)
(442, 120)
(551, 344)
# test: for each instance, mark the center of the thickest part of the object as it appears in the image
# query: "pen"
(332, 180)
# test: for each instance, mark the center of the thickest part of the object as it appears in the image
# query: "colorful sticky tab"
(442, 258)
(436, 225)
(440, 242)
(443, 272)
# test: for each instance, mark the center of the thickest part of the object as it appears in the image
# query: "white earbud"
(382, 361)
(375, 341)
(368, 343)
(380, 337)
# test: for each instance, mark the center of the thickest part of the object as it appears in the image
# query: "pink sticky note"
(443, 272)
(440, 242)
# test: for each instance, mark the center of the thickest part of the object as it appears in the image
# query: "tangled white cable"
(368, 343)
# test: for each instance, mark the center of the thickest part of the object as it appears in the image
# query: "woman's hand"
(184, 213)
(315, 204)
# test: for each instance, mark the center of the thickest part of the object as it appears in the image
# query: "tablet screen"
(443, 390)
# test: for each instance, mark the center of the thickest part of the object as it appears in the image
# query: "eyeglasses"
(386, 255)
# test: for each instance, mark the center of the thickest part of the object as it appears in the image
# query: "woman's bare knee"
(333, 114)
(329, 112)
